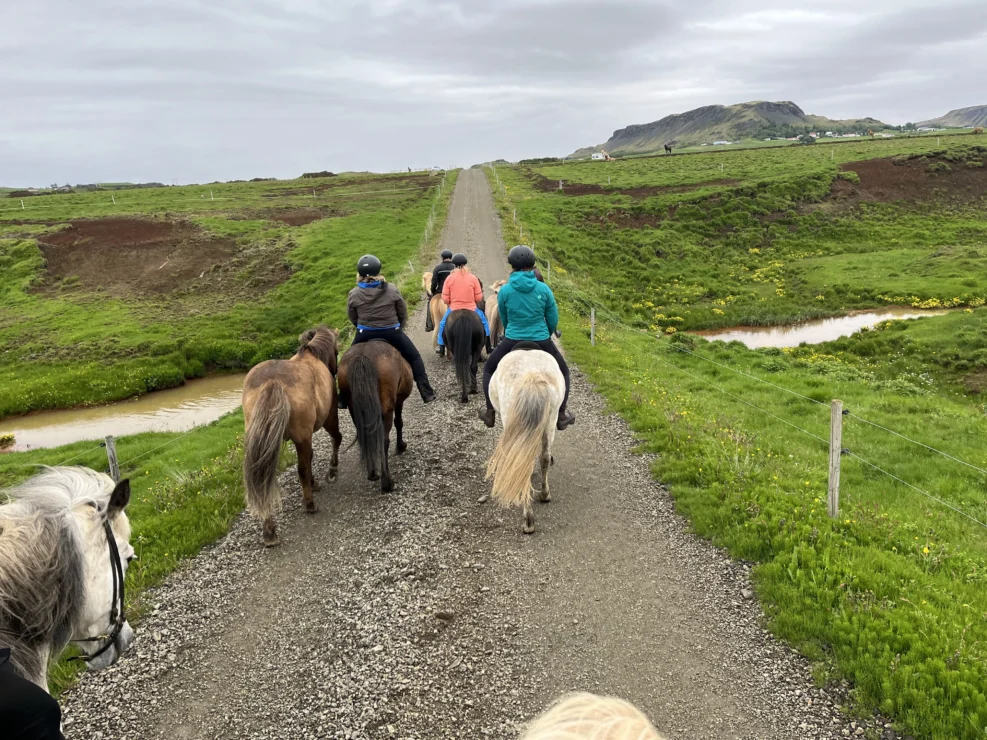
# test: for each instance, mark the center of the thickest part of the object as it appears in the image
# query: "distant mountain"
(973, 116)
(755, 120)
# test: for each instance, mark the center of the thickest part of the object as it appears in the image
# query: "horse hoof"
(271, 541)
(528, 529)
(311, 507)
(552, 461)
(464, 399)
(386, 486)
(316, 487)
(402, 447)
(373, 476)
(333, 476)
(545, 498)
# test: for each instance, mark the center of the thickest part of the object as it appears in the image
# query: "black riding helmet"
(459, 259)
(446, 254)
(521, 257)
(368, 266)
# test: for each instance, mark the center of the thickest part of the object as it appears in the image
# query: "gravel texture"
(426, 613)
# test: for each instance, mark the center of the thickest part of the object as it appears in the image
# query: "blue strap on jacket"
(361, 327)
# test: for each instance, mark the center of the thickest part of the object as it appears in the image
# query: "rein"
(117, 619)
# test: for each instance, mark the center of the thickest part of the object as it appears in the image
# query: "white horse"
(585, 716)
(526, 390)
(64, 550)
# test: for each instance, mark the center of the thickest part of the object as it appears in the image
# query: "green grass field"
(62, 347)
(890, 594)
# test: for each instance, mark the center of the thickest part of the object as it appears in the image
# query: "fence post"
(22, 205)
(592, 326)
(114, 199)
(211, 196)
(111, 456)
(835, 449)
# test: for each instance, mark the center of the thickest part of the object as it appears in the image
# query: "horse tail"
(526, 423)
(495, 326)
(461, 333)
(262, 449)
(367, 414)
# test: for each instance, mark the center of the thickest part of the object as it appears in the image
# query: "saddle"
(525, 345)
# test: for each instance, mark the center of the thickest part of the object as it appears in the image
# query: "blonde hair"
(585, 716)
(374, 279)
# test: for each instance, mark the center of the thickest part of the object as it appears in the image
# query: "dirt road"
(426, 614)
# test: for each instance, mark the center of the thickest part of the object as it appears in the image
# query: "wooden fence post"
(835, 449)
(592, 326)
(111, 456)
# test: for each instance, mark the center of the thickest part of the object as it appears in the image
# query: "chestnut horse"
(374, 382)
(289, 399)
(436, 307)
(493, 314)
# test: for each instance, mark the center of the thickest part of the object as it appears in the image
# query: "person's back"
(376, 305)
(440, 274)
(462, 291)
(527, 308)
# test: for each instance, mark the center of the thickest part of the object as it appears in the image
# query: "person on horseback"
(439, 275)
(528, 313)
(462, 291)
(378, 311)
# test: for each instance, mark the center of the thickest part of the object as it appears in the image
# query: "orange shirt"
(462, 290)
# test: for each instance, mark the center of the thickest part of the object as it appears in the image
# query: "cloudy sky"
(199, 90)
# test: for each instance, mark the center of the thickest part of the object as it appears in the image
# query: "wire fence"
(570, 291)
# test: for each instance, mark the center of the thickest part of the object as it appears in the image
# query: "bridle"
(117, 618)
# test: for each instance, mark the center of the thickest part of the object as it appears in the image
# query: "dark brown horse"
(465, 339)
(668, 148)
(289, 399)
(374, 382)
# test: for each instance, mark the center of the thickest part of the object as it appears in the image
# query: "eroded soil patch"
(132, 255)
(918, 180)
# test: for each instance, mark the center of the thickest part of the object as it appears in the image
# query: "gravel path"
(426, 614)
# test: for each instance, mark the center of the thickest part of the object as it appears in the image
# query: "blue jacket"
(527, 308)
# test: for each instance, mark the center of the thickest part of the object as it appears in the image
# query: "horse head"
(427, 282)
(323, 343)
(497, 285)
(103, 632)
(64, 552)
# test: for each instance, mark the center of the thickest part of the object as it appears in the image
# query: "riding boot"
(488, 416)
(440, 350)
(489, 346)
(428, 318)
(428, 395)
(566, 418)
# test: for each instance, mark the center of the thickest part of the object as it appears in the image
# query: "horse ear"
(119, 498)
(306, 336)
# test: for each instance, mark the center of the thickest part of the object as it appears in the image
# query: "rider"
(529, 313)
(462, 291)
(27, 712)
(439, 275)
(378, 311)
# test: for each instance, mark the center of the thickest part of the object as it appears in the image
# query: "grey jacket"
(379, 308)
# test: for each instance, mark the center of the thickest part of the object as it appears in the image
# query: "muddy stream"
(174, 410)
(813, 332)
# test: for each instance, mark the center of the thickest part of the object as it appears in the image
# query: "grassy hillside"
(108, 296)
(973, 116)
(755, 120)
(888, 595)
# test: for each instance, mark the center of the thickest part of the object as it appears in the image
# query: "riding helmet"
(368, 266)
(447, 254)
(521, 257)
(459, 260)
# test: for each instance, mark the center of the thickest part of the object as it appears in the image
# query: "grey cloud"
(156, 89)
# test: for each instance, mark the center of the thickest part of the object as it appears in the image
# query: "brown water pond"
(813, 332)
(174, 410)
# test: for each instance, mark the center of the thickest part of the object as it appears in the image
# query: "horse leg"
(304, 451)
(270, 533)
(529, 517)
(546, 461)
(332, 428)
(399, 426)
(386, 484)
(474, 367)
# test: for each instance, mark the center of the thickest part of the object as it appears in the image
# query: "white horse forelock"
(49, 536)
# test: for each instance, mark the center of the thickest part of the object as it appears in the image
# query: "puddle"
(174, 410)
(813, 332)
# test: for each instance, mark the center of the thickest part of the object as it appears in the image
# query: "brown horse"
(374, 382)
(493, 314)
(289, 399)
(465, 339)
(436, 307)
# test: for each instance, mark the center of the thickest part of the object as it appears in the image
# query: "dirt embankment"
(546, 185)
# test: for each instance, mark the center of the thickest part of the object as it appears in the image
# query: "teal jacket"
(527, 308)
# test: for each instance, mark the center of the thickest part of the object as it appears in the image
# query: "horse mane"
(43, 562)
(321, 342)
(585, 716)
